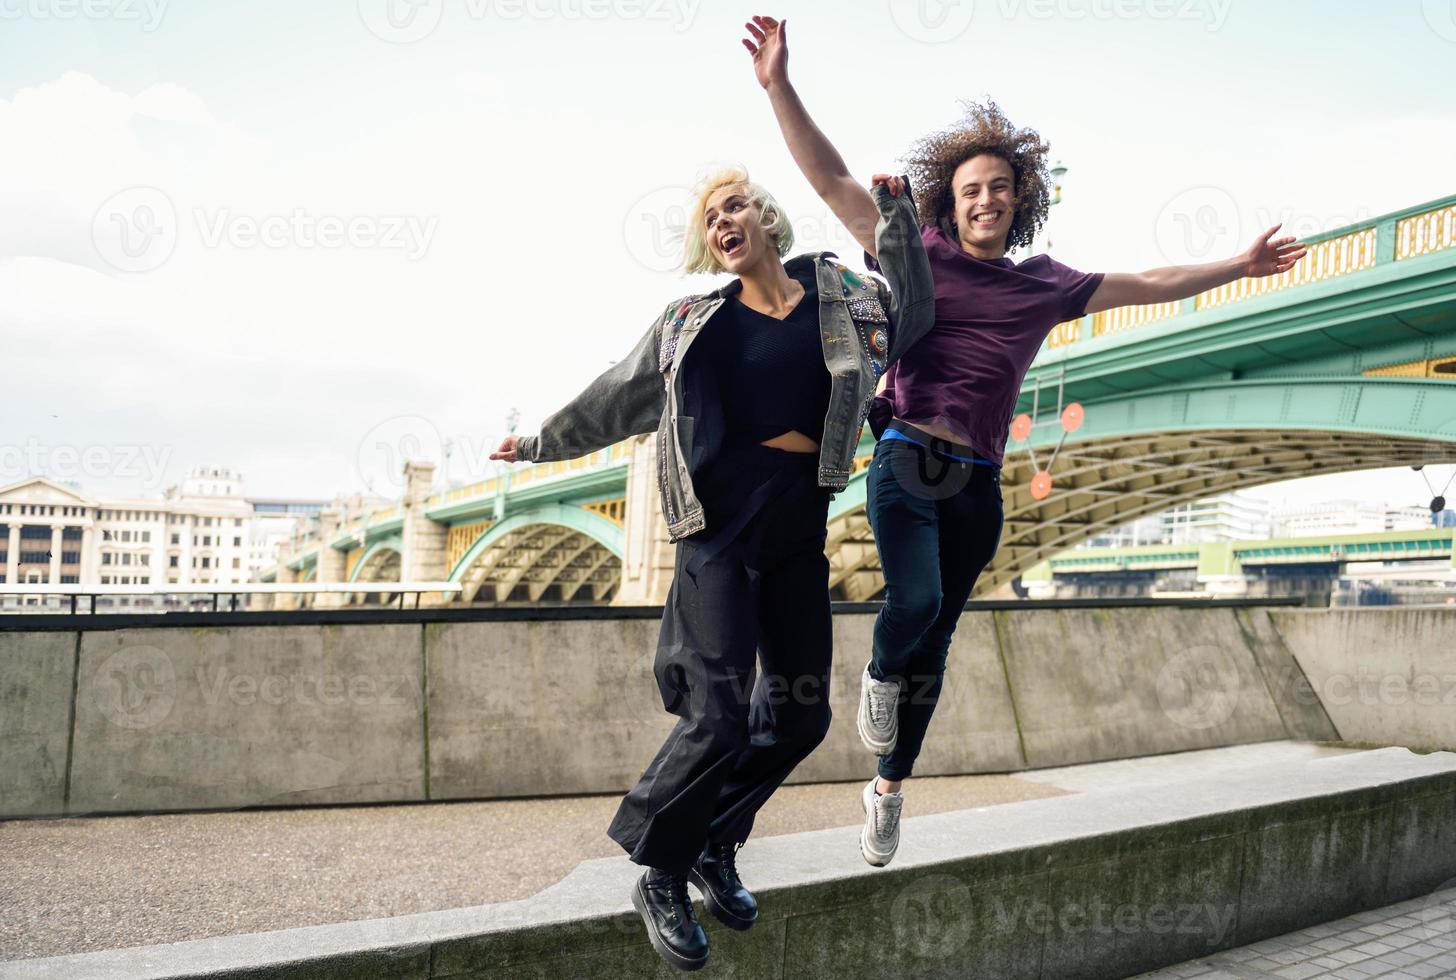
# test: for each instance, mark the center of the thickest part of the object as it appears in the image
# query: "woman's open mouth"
(732, 244)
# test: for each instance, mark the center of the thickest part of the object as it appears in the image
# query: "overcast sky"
(302, 239)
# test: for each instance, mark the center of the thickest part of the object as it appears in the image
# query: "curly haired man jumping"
(933, 490)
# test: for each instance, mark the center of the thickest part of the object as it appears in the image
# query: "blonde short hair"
(697, 256)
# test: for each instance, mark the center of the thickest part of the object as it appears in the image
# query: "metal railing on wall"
(193, 598)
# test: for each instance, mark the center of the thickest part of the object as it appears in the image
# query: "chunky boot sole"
(672, 956)
(720, 912)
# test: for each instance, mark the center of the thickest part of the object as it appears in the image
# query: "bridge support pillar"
(330, 560)
(285, 576)
(423, 541)
(1219, 570)
(647, 557)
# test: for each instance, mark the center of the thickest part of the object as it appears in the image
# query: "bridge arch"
(558, 546)
(380, 562)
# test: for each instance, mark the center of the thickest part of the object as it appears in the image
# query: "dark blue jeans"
(937, 522)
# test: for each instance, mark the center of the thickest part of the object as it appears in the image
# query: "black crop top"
(770, 373)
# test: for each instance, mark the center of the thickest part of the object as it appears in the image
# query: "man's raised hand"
(1270, 256)
(770, 49)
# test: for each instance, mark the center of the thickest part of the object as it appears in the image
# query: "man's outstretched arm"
(1268, 256)
(817, 158)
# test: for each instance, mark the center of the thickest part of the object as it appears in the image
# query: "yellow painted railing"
(1066, 332)
(1328, 259)
(1422, 234)
(1415, 235)
(1127, 317)
(613, 510)
(614, 453)
(461, 537)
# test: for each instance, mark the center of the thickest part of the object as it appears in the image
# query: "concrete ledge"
(1101, 884)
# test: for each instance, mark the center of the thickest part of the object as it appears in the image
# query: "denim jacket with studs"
(864, 327)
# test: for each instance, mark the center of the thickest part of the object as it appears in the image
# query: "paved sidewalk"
(1414, 938)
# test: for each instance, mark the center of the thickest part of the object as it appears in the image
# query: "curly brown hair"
(932, 162)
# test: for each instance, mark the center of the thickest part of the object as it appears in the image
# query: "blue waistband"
(890, 433)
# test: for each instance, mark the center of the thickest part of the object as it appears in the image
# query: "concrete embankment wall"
(1382, 675)
(155, 718)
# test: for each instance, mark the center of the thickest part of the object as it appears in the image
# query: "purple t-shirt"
(991, 316)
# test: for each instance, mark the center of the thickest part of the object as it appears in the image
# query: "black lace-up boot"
(716, 875)
(661, 898)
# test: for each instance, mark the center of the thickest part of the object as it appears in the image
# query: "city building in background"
(1227, 517)
(202, 531)
(1348, 517)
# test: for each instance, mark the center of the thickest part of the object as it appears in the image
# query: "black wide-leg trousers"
(753, 586)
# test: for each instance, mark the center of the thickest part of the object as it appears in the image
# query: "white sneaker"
(880, 837)
(878, 719)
